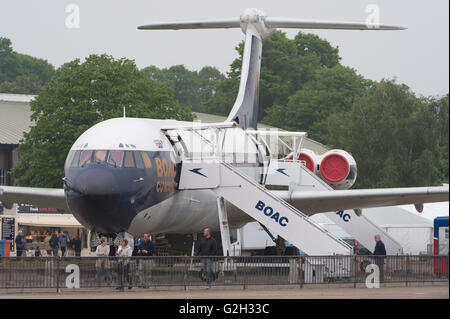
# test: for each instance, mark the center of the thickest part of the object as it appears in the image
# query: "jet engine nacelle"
(310, 158)
(338, 169)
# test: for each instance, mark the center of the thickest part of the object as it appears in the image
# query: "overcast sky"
(418, 57)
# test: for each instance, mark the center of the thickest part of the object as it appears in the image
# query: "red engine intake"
(334, 167)
(338, 169)
(309, 157)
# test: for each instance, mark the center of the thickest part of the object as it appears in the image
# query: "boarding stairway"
(232, 185)
(199, 149)
(207, 169)
(296, 177)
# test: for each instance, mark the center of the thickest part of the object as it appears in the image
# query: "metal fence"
(121, 273)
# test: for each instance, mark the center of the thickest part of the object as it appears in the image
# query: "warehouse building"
(14, 121)
(35, 222)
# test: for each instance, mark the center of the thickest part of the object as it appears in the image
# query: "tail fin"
(256, 26)
(245, 108)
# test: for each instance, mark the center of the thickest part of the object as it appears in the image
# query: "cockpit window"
(69, 158)
(146, 159)
(100, 156)
(138, 160)
(129, 161)
(115, 158)
(85, 157)
(76, 159)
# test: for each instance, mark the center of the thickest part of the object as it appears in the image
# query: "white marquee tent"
(413, 230)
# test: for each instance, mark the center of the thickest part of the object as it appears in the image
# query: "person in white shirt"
(125, 252)
(102, 264)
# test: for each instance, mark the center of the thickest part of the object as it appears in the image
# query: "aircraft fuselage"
(121, 175)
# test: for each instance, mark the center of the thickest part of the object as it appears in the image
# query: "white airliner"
(133, 175)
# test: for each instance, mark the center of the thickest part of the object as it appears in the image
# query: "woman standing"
(123, 264)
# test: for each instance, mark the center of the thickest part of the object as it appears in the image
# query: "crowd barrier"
(121, 273)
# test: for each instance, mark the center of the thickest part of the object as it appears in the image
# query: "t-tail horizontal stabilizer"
(256, 26)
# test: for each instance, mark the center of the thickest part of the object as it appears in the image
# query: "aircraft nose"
(97, 182)
(95, 199)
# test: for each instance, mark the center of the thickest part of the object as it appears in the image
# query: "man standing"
(64, 241)
(77, 246)
(20, 244)
(379, 253)
(207, 247)
(145, 249)
(54, 241)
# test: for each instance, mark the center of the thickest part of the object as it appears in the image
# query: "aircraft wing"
(41, 197)
(311, 202)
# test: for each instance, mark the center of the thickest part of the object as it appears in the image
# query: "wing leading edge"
(312, 202)
(41, 197)
(309, 202)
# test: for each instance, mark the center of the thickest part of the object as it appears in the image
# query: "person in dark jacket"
(54, 243)
(207, 247)
(379, 252)
(379, 247)
(77, 246)
(145, 248)
(20, 244)
(37, 252)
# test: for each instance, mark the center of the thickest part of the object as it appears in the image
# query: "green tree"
(223, 99)
(190, 88)
(286, 66)
(209, 77)
(23, 84)
(20, 73)
(439, 109)
(308, 43)
(392, 135)
(8, 62)
(332, 90)
(78, 96)
(29, 65)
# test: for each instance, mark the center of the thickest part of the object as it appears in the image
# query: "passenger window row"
(116, 158)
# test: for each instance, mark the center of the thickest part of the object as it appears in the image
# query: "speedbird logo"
(282, 171)
(197, 171)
